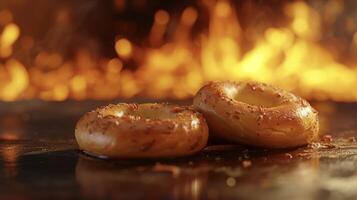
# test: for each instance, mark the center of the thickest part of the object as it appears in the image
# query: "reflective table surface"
(39, 159)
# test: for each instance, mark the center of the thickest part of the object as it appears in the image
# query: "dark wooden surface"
(39, 160)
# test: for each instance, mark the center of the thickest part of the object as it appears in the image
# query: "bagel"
(257, 114)
(142, 131)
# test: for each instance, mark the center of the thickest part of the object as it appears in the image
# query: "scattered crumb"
(315, 145)
(323, 146)
(330, 146)
(289, 155)
(327, 138)
(246, 163)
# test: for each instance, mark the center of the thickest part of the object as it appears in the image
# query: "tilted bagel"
(257, 114)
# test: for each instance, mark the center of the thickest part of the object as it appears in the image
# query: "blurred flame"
(7, 38)
(123, 47)
(289, 57)
(17, 82)
(159, 27)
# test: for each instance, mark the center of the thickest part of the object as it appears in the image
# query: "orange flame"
(9, 35)
(290, 57)
(17, 82)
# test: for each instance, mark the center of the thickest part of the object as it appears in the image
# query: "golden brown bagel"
(142, 131)
(257, 114)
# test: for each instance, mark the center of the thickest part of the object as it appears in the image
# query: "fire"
(290, 57)
(8, 37)
(17, 82)
(123, 47)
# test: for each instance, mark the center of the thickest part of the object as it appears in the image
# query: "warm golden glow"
(223, 9)
(17, 81)
(162, 17)
(123, 47)
(9, 35)
(9, 136)
(11, 153)
(189, 16)
(289, 56)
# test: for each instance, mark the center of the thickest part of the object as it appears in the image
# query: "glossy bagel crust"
(142, 131)
(257, 114)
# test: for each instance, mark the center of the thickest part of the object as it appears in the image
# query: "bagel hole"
(251, 97)
(148, 113)
(145, 111)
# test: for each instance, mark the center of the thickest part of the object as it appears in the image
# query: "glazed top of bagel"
(165, 117)
(255, 96)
